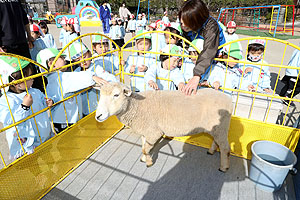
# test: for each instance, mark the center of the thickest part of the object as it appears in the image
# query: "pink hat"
(258, 41)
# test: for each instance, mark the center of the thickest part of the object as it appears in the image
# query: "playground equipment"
(251, 17)
(87, 11)
(137, 12)
(32, 176)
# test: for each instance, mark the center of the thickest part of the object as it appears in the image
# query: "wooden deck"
(181, 171)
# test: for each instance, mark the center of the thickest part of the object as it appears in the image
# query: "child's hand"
(216, 85)
(142, 68)
(268, 90)
(132, 69)
(49, 102)
(27, 100)
(153, 85)
(99, 80)
(181, 86)
(251, 88)
(122, 62)
(248, 69)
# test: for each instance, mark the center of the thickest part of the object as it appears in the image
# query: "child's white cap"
(76, 28)
(197, 43)
(152, 25)
(99, 38)
(165, 12)
(64, 20)
(9, 65)
(176, 26)
(76, 50)
(139, 15)
(35, 27)
(258, 41)
(45, 54)
(147, 36)
(160, 25)
(132, 16)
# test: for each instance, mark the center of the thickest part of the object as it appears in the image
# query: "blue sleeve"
(176, 76)
(217, 74)
(128, 64)
(61, 35)
(123, 32)
(150, 75)
(75, 81)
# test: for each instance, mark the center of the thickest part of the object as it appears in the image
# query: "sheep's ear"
(97, 86)
(127, 90)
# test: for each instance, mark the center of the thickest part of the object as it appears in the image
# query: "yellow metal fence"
(33, 175)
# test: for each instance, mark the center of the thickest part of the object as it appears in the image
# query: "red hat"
(34, 27)
(231, 24)
(71, 21)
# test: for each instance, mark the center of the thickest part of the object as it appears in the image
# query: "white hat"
(77, 49)
(45, 54)
(197, 43)
(99, 38)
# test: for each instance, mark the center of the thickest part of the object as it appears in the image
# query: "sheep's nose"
(99, 116)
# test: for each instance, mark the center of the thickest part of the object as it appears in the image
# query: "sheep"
(153, 114)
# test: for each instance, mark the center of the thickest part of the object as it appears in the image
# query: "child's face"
(193, 53)
(34, 35)
(140, 17)
(230, 61)
(21, 87)
(44, 30)
(65, 27)
(101, 48)
(231, 30)
(143, 45)
(69, 27)
(85, 64)
(255, 55)
(171, 63)
(170, 39)
(59, 63)
(113, 22)
(119, 22)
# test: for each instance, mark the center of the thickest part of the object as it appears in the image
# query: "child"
(171, 39)
(139, 23)
(158, 39)
(91, 97)
(132, 25)
(230, 34)
(38, 43)
(122, 29)
(63, 84)
(189, 63)
(256, 76)
(167, 68)
(165, 18)
(22, 105)
(152, 27)
(228, 70)
(144, 20)
(116, 33)
(290, 78)
(63, 33)
(140, 62)
(72, 33)
(109, 62)
(48, 38)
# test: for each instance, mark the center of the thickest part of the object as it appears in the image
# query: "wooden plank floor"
(181, 171)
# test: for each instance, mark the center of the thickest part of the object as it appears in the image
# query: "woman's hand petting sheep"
(132, 69)
(99, 80)
(153, 85)
(142, 68)
(181, 86)
(216, 85)
(192, 85)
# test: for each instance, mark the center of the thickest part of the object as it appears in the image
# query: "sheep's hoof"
(210, 153)
(223, 170)
(143, 158)
(149, 163)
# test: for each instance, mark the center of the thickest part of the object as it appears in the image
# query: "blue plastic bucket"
(270, 164)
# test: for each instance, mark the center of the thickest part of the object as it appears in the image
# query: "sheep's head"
(113, 100)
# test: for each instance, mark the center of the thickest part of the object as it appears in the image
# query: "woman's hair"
(255, 47)
(194, 14)
(43, 25)
(26, 72)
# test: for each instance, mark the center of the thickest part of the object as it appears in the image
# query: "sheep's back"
(176, 113)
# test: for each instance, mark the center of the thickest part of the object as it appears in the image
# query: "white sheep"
(153, 114)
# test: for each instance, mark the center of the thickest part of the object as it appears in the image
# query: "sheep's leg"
(143, 158)
(224, 153)
(148, 144)
(213, 148)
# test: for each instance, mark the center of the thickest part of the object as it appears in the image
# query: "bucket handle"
(293, 171)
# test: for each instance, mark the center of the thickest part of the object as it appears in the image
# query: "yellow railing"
(242, 133)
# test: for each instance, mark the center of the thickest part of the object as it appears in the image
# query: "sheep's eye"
(116, 95)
